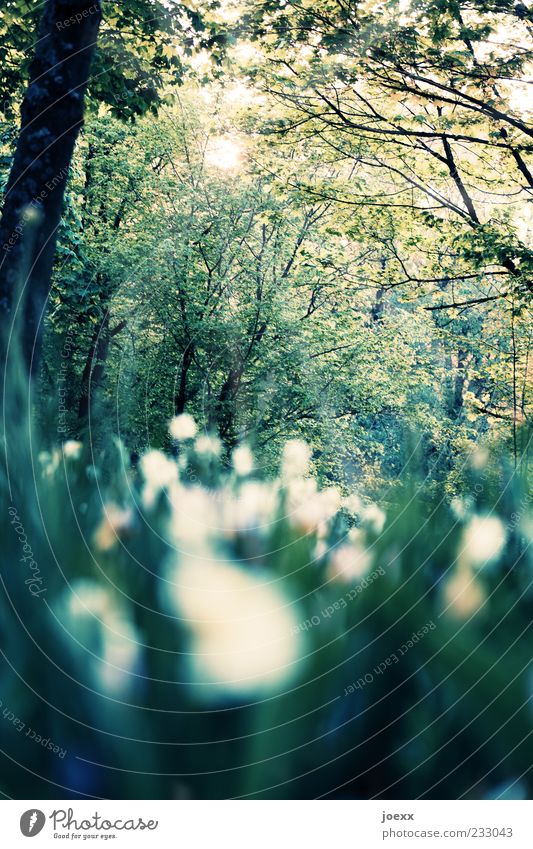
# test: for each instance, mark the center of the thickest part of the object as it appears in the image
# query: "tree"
(51, 117)
(138, 47)
(228, 292)
(425, 106)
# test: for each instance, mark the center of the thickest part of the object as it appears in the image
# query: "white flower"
(352, 504)
(72, 449)
(374, 518)
(309, 510)
(253, 508)
(96, 623)
(120, 655)
(159, 472)
(194, 515)
(460, 508)
(329, 502)
(208, 445)
(114, 521)
(241, 627)
(182, 427)
(479, 458)
(483, 540)
(158, 469)
(295, 460)
(349, 563)
(49, 462)
(87, 597)
(356, 536)
(463, 594)
(300, 491)
(321, 549)
(243, 460)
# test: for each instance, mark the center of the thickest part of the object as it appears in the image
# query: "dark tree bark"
(95, 364)
(51, 117)
(456, 384)
(180, 398)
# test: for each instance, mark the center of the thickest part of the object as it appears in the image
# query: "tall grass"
(186, 627)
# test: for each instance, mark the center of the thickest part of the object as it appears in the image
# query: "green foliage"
(137, 53)
(267, 310)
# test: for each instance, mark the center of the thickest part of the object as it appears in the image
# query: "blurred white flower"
(87, 597)
(49, 462)
(114, 521)
(308, 509)
(208, 445)
(352, 504)
(158, 469)
(374, 518)
(300, 491)
(120, 656)
(479, 458)
(243, 460)
(72, 449)
(295, 459)
(182, 427)
(159, 472)
(329, 502)
(349, 563)
(321, 549)
(253, 508)
(194, 517)
(483, 540)
(463, 594)
(98, 624)
(241, 627)
(460, 508)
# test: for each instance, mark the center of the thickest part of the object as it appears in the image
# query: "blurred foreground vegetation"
(189, 628)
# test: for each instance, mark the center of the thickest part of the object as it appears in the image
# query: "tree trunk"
(180, 398)
(51, 117)
(94, 366)
(456, 368)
